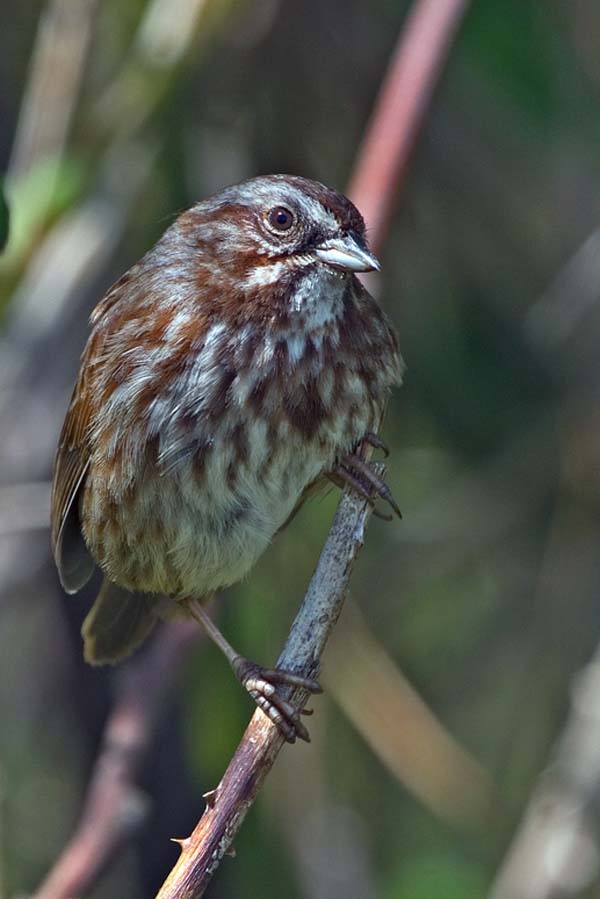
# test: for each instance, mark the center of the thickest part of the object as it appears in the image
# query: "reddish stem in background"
(114, 807)
(399, 111)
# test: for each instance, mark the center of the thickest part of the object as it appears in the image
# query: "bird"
(232, 371)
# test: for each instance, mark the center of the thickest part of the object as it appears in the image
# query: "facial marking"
(263, 275)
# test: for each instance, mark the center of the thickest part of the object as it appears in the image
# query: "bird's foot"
(359, 474)
(262, 683)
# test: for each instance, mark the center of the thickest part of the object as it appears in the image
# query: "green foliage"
(38, 198)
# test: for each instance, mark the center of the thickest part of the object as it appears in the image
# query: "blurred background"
(448, 681)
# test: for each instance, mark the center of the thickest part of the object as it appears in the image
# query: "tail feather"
(117, 623)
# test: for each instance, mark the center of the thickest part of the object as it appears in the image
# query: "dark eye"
(281, 218)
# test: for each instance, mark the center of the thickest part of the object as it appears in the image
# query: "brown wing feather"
(117, 623)
(74, 563)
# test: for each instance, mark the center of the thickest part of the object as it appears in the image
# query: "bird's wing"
(74, 563)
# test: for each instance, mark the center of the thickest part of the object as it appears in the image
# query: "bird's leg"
(352, 469)
(261, 683)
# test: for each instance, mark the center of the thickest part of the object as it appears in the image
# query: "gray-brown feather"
(117, 623)
(73, 560)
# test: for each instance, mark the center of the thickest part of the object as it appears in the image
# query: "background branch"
(556, 850)
(401, 106)
(396, 723)
(115, 807)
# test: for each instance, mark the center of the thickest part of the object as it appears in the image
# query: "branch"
(401, 106)
(262, 741)
(556, 851)
(115, 807)
(396, 723)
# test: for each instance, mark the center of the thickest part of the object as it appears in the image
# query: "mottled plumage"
(226, 372)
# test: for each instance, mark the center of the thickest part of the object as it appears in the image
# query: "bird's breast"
(193, 473)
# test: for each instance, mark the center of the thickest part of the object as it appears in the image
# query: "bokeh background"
(483, 601)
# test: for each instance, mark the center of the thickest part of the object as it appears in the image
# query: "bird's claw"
(359, 474)
(376, 442)
(261, 683)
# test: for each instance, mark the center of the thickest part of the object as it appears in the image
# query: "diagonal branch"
(115, 807)
(397, 724)
(262, 741)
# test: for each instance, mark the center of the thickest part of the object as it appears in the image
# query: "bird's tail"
(117, 623)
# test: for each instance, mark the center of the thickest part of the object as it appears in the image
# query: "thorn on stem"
(211, 798)
(182, 842)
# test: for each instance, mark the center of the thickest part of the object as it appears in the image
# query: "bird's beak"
(347, 253)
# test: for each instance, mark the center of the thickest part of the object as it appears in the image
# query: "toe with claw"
(262, 683)
(376, 442)
(352, 469)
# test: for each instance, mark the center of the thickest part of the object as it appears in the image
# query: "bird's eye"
(281, 218)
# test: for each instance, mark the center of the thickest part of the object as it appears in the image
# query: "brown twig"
(115, 807)
(262, 741)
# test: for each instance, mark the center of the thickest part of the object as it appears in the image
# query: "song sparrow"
(236, 365)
